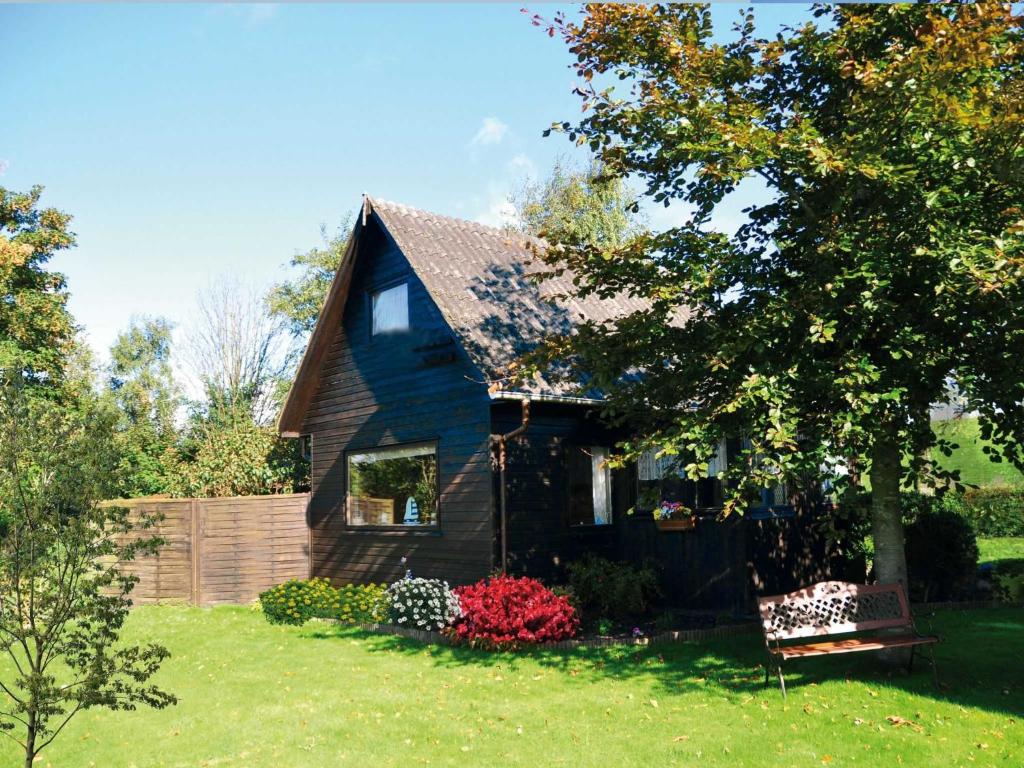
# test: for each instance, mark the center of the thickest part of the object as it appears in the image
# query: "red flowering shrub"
(506, 611)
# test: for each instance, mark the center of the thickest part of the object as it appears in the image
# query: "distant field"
(975, 467)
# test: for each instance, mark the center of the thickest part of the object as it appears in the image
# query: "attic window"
(390, 309)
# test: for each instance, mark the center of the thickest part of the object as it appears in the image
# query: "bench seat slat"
(854, 644)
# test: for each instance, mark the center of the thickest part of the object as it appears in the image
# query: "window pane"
(581, 487)
(391, 309)
(393, 486)
(590, 486)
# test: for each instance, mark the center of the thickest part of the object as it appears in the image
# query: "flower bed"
(425, 604)
(299, 600)
(505, 611)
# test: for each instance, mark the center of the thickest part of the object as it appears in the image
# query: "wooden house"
(406, 434)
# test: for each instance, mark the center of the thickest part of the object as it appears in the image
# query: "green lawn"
(256, 695)
(974, 465)
(1002, 548)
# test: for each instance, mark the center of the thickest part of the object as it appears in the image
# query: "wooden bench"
(832, 608)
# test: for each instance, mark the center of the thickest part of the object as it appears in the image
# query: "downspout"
(501, 440)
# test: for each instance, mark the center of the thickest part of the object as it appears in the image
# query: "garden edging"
(676, 636)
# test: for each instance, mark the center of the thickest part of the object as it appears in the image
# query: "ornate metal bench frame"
(832, 608)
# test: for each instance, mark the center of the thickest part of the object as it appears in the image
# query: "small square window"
(390, 309)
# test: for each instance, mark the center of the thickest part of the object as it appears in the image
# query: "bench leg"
(782, 681)
(935, 668)
(910, 663)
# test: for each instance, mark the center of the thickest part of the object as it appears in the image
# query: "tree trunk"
(30, 743)
(890, 559)
(890, 564)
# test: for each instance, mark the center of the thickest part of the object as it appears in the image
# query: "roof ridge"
(410, 210)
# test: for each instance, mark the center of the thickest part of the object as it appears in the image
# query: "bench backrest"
(832, 608)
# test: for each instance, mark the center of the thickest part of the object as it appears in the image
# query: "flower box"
(679, 524)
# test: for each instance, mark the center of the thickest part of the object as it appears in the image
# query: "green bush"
(612, 591)
(942, 554)
(1010, 587)
(299, 600)
(993, 511)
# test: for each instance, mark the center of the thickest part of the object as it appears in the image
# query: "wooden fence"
(225, 550)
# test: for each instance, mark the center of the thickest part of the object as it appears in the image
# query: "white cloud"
(522, 167)
(499, 212)
(491, 132)
(494, 207)
(3, 167)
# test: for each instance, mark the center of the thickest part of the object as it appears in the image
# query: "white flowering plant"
(427, 604)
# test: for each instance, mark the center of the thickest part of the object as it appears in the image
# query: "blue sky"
(196, 141)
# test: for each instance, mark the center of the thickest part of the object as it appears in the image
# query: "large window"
(390, 309)
(393, 486)
(590, 486)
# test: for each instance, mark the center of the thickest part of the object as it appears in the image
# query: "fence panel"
(224, 550)
(245, 548)
(166, 576)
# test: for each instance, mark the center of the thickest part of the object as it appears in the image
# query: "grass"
(974, 465)
(1000, 549)
(256, 695)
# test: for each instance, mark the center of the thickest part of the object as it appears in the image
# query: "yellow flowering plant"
(299, 600)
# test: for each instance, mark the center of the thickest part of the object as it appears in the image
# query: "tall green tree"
(297, 302)
(36, 329)
(883, 260)
(140, 383)
(63, 597)
(577, 204)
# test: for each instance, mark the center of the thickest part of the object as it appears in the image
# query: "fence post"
(196, 589)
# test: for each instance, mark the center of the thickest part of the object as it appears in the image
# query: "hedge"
(994, 510)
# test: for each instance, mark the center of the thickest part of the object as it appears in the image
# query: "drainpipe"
(500, 441)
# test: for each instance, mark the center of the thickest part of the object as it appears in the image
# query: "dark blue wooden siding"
(395, 389)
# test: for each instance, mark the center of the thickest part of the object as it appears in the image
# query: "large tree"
(580, 204)
(297, 302)
(234, 351)
(140, 383)
(881, 258)
(36, 330)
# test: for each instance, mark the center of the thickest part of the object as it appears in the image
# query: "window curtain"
(602, 486)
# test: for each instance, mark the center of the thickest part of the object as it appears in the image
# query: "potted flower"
(673, 516)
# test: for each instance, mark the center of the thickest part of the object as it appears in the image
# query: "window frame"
(588, 450)
(431, 528)
(376, 290)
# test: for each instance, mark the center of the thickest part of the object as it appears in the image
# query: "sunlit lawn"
(999, 549)
(256, 695)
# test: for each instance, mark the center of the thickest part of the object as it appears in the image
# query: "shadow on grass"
(978, 660)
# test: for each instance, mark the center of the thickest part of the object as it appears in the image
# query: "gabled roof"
(479, 278)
